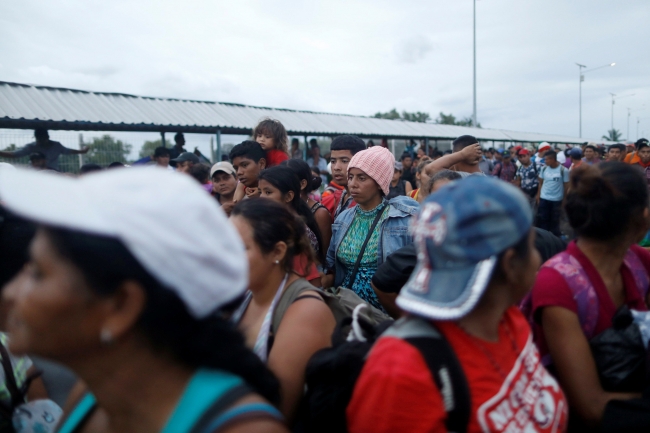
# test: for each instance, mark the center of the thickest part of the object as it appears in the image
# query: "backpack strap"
(581, 288)
(291, 293)
(241, 413)
(219, 406)
(639, 272)
(445, 368)
(78, 417)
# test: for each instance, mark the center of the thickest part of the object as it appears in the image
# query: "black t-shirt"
(408, 176)
(396, 270)
(393, 274)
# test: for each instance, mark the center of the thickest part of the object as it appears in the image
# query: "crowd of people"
(473, 290)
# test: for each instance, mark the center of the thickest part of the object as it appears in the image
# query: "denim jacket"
(394, 233)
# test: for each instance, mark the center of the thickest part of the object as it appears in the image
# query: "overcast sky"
(355, 57)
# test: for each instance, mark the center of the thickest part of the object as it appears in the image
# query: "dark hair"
(605, 199)
(521, 253)
(116, 164)
(642, 144)
(295, 141)
(35, 156)
(161, 151)
(275, 129)
(200, 172)
(423, 164)
(87, 168)
(405, 155)
(304, 172)
(592, 147)
(637, 144)
(286, 180)
(179, 135)
(165, 322)
(442, 174)
(463, 141)
(618, 146)
(272, 223)
(550, 153)
(348, 142)
(248, 149)
(41, 133)
(370, 143)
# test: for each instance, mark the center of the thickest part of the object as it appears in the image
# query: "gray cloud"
(413, 49)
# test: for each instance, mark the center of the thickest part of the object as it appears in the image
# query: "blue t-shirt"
(554, 180)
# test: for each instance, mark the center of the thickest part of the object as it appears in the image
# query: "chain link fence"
(128, 147)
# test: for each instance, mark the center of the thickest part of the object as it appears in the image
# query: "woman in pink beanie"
(380, 224)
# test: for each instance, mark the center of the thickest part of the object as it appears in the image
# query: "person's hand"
(227, 207)
(253, 192)
(471, 154)
(85, 149)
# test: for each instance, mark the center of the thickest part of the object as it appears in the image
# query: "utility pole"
(474, 112)
(629, 110)
(582, 78)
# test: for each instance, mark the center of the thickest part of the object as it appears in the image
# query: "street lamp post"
(614, 98)
(582, 78)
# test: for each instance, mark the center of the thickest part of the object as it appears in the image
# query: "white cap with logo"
(176, 231)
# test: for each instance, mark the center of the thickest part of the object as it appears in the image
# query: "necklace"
(487, 353)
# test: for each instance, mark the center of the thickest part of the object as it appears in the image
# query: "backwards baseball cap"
(641, 142)
(187, 156)
(543, 145)
(206, 268)
(576, 152)
(458, 244)
(224, 166)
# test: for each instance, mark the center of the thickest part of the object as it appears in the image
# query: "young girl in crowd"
(476, 260)
(384, 223)
(272, 136)
(135, 313)
(607, 206)
(282, 185)
(310, 181)
(274, 236)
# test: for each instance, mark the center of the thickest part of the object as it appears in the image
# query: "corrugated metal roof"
(30, 106)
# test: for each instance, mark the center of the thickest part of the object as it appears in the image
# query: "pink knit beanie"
(378, 163)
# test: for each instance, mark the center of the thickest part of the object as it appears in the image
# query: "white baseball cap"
(224, 166)
(172, 227)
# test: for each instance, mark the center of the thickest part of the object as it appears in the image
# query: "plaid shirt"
(504, 171)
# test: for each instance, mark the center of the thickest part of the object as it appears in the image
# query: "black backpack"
(331, 373)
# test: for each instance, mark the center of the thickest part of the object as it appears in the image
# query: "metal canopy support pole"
(305, 151)
(162, 138)
(218, 146)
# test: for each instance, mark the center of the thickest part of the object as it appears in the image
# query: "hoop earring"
(106, 337)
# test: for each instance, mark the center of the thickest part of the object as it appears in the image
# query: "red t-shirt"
(331, 202)
(551, 290)
(300, 267)
(396, 391)
(275, 157)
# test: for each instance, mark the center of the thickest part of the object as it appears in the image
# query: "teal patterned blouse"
(351, 245)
